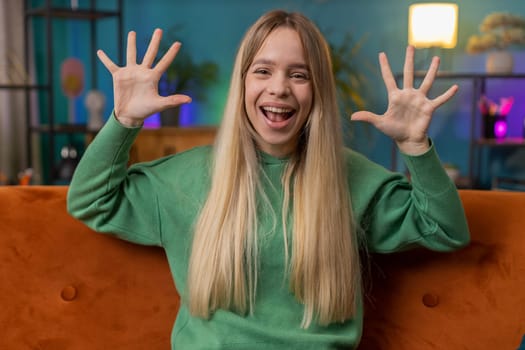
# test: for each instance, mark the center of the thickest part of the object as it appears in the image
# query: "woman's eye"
(261, 71)
(298, 75)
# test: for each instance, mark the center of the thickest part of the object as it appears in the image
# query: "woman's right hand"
(135, 86)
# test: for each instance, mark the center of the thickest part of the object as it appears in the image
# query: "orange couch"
(63, 287)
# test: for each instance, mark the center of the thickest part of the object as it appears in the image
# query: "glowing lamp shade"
(433, 25)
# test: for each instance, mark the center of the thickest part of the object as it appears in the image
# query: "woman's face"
(279, 94)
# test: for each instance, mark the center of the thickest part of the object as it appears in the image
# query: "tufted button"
(69, 293)
(430, 300)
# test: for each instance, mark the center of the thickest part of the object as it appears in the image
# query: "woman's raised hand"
(135, 86)
(409, 111)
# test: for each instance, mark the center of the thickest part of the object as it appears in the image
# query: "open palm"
(409, 110)
(135, 85)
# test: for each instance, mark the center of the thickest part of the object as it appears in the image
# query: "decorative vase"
(95, 102)
(494, 126)
(499, 62)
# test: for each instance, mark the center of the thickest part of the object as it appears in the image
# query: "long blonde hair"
(324, 266)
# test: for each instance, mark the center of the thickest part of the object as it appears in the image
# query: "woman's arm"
(427, 210)
(397, 213)
(103, 192)
(108, 197)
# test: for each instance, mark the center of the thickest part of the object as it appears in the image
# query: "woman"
(263, 231)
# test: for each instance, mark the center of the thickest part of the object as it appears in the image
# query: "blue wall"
(213, 29)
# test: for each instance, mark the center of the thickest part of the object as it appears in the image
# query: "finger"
(153, 48)
(107, 62)
(179, 99)
(131, 52)
(447, 95)
(168, 57)
(173, 100)
(386, 72)
(408, 69)
(365, 116)
(430, 76)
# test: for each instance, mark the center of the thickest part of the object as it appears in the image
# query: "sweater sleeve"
(397, 213)
(109, 197)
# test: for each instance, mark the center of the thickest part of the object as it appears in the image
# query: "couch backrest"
(472, 299)
(64, 287)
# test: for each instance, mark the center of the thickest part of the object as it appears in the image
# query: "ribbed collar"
(266, 158)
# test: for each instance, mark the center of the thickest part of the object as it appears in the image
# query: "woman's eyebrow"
(272, 63)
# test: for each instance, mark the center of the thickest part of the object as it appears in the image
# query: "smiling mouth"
(277, 114)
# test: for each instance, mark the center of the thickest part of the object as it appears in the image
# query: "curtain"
(13, 125)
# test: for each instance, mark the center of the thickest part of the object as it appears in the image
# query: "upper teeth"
(277, 109)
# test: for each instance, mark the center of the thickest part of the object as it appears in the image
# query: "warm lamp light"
(433, 25)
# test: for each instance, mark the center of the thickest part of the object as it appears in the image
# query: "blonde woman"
(263, 231)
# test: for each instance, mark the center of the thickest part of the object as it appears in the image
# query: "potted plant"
(499, 31)
(184, 76)
(351, 84)
(349, 80)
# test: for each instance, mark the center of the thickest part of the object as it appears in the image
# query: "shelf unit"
(50, 130)
(476, 143)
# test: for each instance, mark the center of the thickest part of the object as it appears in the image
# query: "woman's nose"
(278, 85)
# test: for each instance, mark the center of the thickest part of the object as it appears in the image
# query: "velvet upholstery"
(63, 287)
(472, 299)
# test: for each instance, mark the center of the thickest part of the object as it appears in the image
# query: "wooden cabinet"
(156, 143)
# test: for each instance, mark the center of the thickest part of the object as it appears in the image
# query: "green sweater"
(156, 203)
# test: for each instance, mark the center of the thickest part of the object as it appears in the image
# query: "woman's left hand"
(409, 111)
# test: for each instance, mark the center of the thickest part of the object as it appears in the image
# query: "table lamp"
(433, 26)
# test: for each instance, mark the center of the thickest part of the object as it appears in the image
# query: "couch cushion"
(470, 299)
(65, 287)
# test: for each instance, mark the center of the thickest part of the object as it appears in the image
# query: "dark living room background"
(211, 30)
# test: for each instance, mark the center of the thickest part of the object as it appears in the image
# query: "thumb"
(175, 100)
(364, 116)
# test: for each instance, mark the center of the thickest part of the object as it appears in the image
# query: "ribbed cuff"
(427, 172)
